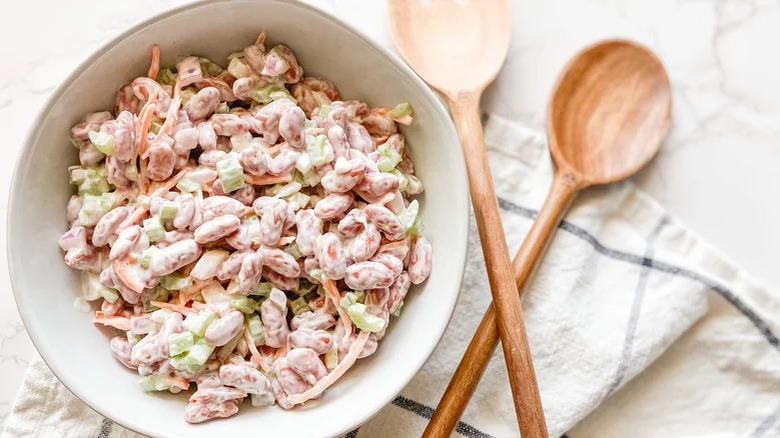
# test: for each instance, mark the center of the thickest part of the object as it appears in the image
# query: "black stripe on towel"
(105, 428)
(674, 270)
(420, 409)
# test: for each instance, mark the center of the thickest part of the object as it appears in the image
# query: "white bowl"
(45, 288)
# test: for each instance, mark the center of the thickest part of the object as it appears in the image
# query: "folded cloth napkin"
(624, 288)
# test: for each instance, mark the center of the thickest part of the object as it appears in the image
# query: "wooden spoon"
(458, 48)
(608, 115)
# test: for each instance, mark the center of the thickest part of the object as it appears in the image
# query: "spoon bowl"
(469, 61)
(609, 111)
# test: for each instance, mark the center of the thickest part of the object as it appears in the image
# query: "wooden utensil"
(458, 48)
(608, 114)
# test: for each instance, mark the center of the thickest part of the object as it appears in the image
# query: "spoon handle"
(479, 351)
(522, 379)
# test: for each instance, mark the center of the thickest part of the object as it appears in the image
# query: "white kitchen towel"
(637, 326)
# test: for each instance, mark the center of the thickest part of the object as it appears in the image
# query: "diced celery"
(77, 175)
(409, 215)
(155, 382)
(187, 94)
(293, 250)
(180, 343)
(403, 181)
(321, 98)
(154, 229)
(199, 353)
(317, 149)
(244, 304)
(281, 94)
(299, 199)
(107, 201)
(324, 110)
(342, 165)
(91, 211)
(175, 281)
(263, 95)
(351, 298)
(132, 338)
(253, 226)
(299, 306)
(222, 108)
(255, 327)
(76, 143)
(316, 274)
(104, 142)
(166, 76)
(364, 320)
(281, 190)
(155, 127)
(131, 171)
(94, 182)
(146, 256)
(397, 312)
(305, 288)
(307, 179)
(388, 158)
(332, 357)
(168, 210)
(208, 67)
(231, 174)
(110, 295)
(197, 323)
(417, 228)
(263, 289)
(187, 185)
(402, 109)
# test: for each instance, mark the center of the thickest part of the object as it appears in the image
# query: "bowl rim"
(31, 136)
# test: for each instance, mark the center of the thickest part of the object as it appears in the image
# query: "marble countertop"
(718, 170)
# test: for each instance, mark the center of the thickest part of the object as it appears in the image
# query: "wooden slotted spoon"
(609, 112)
(458, 48)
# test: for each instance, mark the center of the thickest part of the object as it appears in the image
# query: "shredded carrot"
(335, 297)
(139, 213)
(145, 121)
(390, 246)
(267, 179)
(184, 310)
(154, 68)
(118, 322)
(381, 111)
(127, 277)
(179, 382)
(172, 117)
(404, 120)
(354, 351)
(256, 356)
(186, 295)
(286, 240)
(386, 198)
(274, 150)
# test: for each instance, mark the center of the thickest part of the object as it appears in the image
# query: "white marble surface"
(718, 170)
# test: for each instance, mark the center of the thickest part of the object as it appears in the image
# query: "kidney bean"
(250, 272)
(254, 160)
(207, 138)
(319, 341)
(331, 257)
(231, 266)
(228, 124)
(368, 275)
(284, 162)
(144, 87)
(186, 211)
(161, 161)
(291, 127)
(333, 205)
(185, 140)
(309, 228)
(273, 312)
(189, 71)
(353, 223)
(306, 363)
(240, 238)
(120, 348)
(107, 225)
(365, 244)
(216, 228)
(210, 158)
(280, 281)
(387, 222)
(312, 321)
(393, 263)
(359, 138)
(280, 262)
(305, 90)
(124, 136)
(216, 206)
(221, 331)
(420, 260)
(174, 256)
(89, 155)
(340, 182)
(245, 378)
